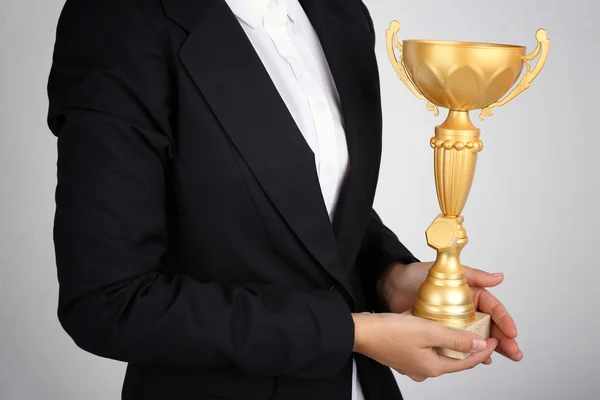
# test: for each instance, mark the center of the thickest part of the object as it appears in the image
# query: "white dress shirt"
(290, 50)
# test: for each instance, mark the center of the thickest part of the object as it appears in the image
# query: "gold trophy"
(459, 76)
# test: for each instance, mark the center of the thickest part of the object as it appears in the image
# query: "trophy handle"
(392, 43)
(541, 49)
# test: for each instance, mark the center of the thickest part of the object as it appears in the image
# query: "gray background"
(532, 212)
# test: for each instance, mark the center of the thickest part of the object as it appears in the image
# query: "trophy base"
(481, 327)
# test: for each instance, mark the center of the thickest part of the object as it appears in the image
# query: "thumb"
(458, 340)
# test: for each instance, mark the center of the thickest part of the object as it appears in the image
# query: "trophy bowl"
(462, 76)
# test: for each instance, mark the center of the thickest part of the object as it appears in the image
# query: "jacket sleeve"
(380, 249)
(383, 247)
(109, 109)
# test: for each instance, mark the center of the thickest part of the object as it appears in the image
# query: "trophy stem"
(445, 297)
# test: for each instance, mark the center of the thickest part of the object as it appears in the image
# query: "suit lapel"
(223, 64)
(349, 52)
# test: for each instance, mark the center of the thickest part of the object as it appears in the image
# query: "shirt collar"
(252, 11)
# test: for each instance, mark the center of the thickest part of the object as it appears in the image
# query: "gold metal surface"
(459, 76)
(392, 41)
(542, 50)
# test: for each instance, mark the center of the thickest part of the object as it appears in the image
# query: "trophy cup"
(459, 76)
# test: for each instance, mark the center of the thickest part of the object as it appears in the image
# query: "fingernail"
(479, 344)
(497, 274)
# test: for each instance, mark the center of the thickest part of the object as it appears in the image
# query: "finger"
(489, 304)
(488, 361)
(453, 339)
(449, 365)
(518, 357)
(507, 347)
(479, 278)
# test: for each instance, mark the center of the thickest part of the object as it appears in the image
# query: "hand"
(400, 285)
(408, 345)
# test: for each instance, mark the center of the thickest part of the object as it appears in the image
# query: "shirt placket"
(276, 25)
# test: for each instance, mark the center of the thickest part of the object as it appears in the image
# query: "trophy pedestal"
(481, 327)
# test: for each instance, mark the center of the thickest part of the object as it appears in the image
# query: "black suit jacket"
(191, 237)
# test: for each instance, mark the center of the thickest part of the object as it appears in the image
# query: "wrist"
(363, 323)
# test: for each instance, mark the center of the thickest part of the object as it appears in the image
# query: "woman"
(217, 164)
